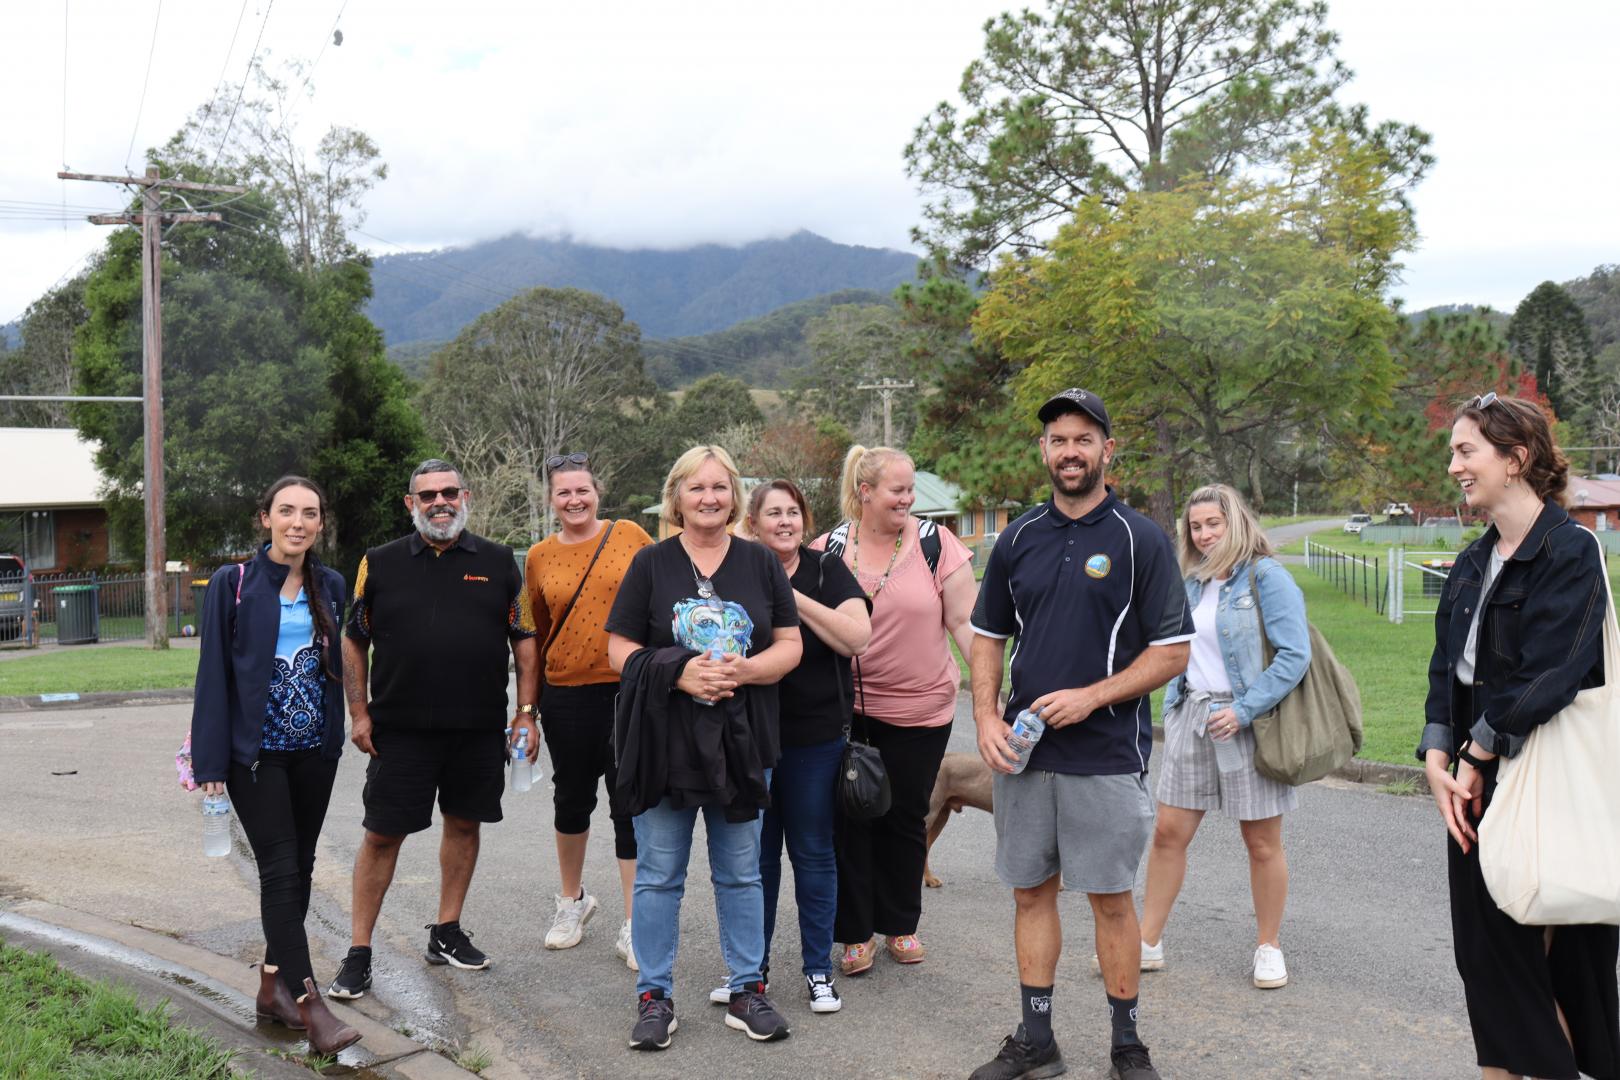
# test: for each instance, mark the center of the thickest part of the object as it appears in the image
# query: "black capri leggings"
(577, 722)
(282, 807)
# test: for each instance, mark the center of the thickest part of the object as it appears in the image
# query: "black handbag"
(863, 782)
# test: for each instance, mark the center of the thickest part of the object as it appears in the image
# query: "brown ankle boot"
(275, 1002)
(327, 1034)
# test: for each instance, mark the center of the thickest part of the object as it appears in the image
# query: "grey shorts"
(1090, 829)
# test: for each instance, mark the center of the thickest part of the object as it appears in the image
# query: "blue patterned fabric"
(294, 712)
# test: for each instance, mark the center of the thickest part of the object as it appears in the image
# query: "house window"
(1603, 521)
(969, 526)
(30, 534)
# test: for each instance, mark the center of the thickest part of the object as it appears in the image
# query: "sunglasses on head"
(557, 461)
(449, 494)
(1484, 401)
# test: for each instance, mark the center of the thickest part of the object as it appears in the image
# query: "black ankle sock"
(1122, 1012)
(1037, 1003)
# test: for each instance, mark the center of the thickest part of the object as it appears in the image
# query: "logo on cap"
(1098, 566)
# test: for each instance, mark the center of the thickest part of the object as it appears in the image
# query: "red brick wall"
(1587, 515)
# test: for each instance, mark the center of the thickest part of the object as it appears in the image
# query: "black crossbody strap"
(557, 627)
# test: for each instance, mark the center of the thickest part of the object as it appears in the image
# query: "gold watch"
(525, 710)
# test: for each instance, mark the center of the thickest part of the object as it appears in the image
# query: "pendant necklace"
(855, 561)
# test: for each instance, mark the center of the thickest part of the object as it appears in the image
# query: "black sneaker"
(448, 944)
(655, 1022)
(823, 994)
(354, 975)
(752, 1013)
(1132, 1063)
(1018, 1059)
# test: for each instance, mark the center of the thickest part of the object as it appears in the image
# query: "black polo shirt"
(439, 623)
(1082, 599)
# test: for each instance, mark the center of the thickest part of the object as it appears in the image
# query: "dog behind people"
(964, 780)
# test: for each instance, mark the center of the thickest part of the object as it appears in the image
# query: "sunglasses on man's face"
(428, 498)
(557, 461)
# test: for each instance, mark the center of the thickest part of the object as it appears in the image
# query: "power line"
(208, 109)
(251, 59)
(141, 107)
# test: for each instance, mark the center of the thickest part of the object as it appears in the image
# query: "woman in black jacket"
(1518, 632)
(267, 725)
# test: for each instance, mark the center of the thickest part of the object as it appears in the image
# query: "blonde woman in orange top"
(572, 577)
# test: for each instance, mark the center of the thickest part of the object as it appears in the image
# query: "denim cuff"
(1435, 737)
(1502, 744)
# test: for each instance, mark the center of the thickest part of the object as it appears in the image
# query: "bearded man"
(433, 617)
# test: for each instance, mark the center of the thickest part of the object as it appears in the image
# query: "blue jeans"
(663, 848)
(802, 793)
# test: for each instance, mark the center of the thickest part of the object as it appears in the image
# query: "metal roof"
(47, 468)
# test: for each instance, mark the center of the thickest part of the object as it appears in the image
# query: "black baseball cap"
(1075, 399)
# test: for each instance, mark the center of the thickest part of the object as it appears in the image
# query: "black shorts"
(466, 768)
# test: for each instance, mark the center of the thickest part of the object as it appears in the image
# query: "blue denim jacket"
(1256, 688)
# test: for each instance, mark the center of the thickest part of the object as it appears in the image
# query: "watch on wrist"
(1464, 755)
(525, 710)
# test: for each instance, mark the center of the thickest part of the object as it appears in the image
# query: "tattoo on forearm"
(354, 685)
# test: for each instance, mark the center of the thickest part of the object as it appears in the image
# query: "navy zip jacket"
(238, 651)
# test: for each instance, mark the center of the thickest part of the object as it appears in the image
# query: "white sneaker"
(720, 995)
(568, 925)
(1152, 958)
(823, 994)
(1269, 970)
(624, 949)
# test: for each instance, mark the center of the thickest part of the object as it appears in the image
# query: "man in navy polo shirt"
(1089, 590)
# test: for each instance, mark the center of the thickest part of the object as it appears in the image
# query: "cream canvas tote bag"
(1549, 846)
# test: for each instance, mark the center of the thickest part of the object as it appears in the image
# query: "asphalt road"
(1373, 991)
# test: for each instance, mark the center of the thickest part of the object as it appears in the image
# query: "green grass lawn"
(85, 670)
(58, 1024)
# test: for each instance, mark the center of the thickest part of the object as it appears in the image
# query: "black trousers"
(880, 862)
(282, 808)
(577, 723)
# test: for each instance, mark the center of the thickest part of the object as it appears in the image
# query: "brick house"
(1594, 501)
(50, 503)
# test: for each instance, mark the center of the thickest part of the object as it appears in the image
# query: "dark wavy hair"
(325, 622)
(756, 499)
(1510, 424)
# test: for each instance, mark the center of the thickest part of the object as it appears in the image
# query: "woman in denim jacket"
(1518, 633)
(1208, 742)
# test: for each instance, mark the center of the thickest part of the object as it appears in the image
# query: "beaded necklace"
(855, 561)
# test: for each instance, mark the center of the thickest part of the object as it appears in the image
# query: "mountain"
(429, 297)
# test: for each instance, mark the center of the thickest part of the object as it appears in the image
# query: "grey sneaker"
(1018, 1059)
(1131, 1063)
(655, 1022)
(752, 1013)
(568, 924)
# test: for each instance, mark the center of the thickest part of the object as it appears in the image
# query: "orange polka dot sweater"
(578, 655)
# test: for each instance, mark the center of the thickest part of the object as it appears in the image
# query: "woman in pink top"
(920, 579)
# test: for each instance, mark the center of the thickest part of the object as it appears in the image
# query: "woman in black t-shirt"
(835, 624)
(708, 592)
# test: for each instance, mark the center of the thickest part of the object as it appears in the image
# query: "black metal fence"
(1357, 576)
(82, 609)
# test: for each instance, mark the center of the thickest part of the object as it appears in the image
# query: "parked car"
(13, 574)
(1356, 522)
(1452, 522)
(1399, 513)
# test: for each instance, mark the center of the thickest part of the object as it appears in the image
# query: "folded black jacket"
(667, 745)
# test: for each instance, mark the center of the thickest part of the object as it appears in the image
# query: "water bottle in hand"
(716, 652)
(522, 774)
(216, 825)
(1027, 729)
(1229, 755)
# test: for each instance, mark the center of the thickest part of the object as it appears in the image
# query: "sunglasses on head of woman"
(557, 461)
(1484, 401)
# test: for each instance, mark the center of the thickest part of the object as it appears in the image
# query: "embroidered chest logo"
(473, 577)
(1098, 566)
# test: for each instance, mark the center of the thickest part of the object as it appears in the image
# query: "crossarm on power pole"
(135, 219)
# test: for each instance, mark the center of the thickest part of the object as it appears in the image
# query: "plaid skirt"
(1190, 779)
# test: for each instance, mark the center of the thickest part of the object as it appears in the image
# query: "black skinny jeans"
(880, 862)
(281, 811)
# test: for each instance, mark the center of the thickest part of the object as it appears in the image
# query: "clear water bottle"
(522, 774)
(216, 825)
(716, 652)
(1027, 729)
(1229, 755)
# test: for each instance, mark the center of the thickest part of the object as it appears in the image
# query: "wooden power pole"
(151, 219)
(886, 389)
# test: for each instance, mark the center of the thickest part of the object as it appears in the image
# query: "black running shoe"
(1018, 1059)
(655, 1022)
(1132, 1063)
(354, 975)
(752, 1013)
(448, 944)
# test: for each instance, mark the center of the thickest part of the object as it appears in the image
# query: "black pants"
(282, 808)
(880, 862)
(577, 722)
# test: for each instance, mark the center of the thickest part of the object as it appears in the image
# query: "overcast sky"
(642, 124)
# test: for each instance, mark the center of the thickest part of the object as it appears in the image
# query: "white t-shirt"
(1465, 663)
(1206, 668)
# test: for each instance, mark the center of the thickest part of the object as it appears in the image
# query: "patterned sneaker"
(1269, 970)
(1019, 1060)
(1131, 1063)
(568, 924)
(823, 994)
(625, 949)
(448, 944)
(752, 1013)
(354, 975)
(655, 1022)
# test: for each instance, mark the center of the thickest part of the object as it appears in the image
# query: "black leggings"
(281, 808)
(880, 862)
(577, 723)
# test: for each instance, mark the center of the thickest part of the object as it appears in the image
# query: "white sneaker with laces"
(720, 995)
(1152, 958)
(568, 925)
(1269, 970)
(625, 950)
